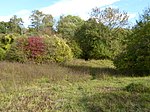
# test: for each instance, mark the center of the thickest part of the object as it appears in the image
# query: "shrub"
(39, 50)
(137, 87)
(76, 50)
(2, 54)
(17, 51)
(6, 41)
(35, 47)
(57, 50)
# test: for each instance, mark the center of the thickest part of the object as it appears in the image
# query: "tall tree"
(36, 19)
(48, 20)
(67, 25)
(94, 39)
(41, 22)
(111, 17)
(15, 24)
(145, 17)
(47, 24)
(3, 27)
(136, 57)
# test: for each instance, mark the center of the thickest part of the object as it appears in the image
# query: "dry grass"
(77, 86)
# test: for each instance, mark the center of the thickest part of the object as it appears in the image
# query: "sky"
(82, 8)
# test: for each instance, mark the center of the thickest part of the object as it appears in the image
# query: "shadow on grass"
(116, 102)
(95, 72)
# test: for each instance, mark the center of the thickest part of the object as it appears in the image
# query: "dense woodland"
(107, 34)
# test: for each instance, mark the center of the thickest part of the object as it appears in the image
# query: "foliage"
(16, 25)
(112, 17)
(119, 41)
(17, 51)
(137, 87)
(57, 49)
(40, 22)
(3, 27)
(5, 43)
(39, 50)
(76, 50)
(136, 57)
(94, 39)
(145, 17)
(67, 26)
(36, 19)
(2, 54)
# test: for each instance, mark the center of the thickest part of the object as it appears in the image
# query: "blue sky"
(82, 8)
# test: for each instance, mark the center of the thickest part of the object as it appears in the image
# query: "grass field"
(76, 86)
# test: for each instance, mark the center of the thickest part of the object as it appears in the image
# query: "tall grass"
(77, 86)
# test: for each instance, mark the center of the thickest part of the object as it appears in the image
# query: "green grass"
(77, 86)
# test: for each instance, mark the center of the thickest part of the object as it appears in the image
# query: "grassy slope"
(77, 86)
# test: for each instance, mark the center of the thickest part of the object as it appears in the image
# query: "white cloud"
(75, 7)
(80, 8)
(5, 18)
(24, 14)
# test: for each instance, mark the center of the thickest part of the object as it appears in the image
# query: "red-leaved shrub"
(35, 47)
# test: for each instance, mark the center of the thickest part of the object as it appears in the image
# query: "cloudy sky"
(82, 8)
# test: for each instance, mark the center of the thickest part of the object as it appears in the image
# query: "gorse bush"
(5, 43)
(39, 50)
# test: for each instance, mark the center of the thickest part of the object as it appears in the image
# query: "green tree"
(36, 19)
(94, 39)
(67, 26)
(119, 40)
(111, 17)
(117, 22)
(47, 24)
(41, 22)
(16, 24)
(136, 57)
(3, 27)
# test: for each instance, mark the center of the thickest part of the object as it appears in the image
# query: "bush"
(76, 50)
(57, 50)
(17, 51)
(39, 50)
(94, 39)
(6, 41)
(136, 58)
(137, 87)
(2, 54)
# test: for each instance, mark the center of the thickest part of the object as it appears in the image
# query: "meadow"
(76, 86)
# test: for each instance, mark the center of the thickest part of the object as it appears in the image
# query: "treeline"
(105, 35)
